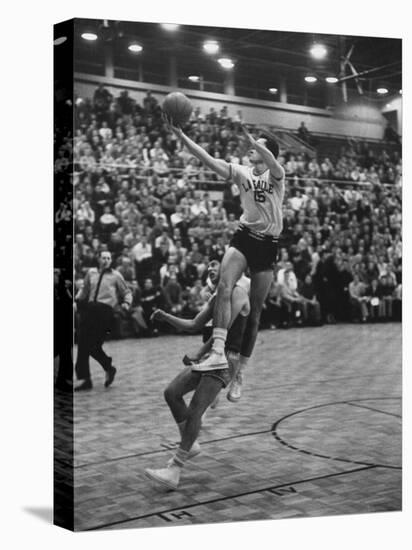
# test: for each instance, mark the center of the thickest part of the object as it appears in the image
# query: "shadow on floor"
(43, 513)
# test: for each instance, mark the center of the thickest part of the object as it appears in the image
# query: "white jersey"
(261, 198)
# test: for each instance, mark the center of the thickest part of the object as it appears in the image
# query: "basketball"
(178, 108)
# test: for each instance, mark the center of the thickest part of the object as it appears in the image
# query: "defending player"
(206, 385)
(255, 243)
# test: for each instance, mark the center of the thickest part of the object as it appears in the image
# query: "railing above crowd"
(148, 172)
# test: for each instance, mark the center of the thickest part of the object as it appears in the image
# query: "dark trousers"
(63, 344)
(95, 322)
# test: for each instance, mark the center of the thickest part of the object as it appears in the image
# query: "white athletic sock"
(180, 458)
(219, 339)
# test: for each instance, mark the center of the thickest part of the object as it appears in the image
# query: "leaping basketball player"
(254, 244)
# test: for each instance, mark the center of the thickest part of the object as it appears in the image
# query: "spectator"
(151, 299)
(311, 306)
(149, 102)
(105, 132)
(291, 299)
(143, 258)
(304, 133)
(187, 273)
(324, 279)
(126, 270)
(108, 223)
(172, 292)
(101, 101)
(358, 299)
(138, 322)
(160, 257)
(165, 239)
(344, 278)
(125, 103)
(272, 309)
(386, 288)
(197, 208)
(375, 303)
(85, 213)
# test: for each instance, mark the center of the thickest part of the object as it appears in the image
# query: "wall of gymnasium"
(394, 104)
(357, 118)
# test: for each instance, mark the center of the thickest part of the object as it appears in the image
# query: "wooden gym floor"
(317, 432)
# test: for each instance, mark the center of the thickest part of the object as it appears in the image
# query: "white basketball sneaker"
(235, 390)
(214, 361)
(166, 477)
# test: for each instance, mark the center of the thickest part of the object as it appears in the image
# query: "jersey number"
(260, 195)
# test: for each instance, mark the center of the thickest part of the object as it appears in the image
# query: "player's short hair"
(214, 262)
(271, 144)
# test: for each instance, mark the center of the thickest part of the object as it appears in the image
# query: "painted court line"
(230, 497)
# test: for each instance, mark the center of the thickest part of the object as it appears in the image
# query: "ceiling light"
(60, 40)
(194, 78)
(311, 79)
(89, 36)
(226, 63)
(382, 91)
(318, 51)
(211, 47)
(273, 90)
(170, 26)
(135, 48)
(331, 79)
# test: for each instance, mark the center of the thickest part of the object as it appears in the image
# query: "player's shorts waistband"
(257, 235)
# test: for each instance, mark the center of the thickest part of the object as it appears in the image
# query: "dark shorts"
(207, 333)
(220, 374)
(260, 251)
(235, 334)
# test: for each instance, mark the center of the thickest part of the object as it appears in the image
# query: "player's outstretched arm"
(221, 167)
(186, 325)
(268, 157)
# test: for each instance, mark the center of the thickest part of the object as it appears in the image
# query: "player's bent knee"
(169, 394)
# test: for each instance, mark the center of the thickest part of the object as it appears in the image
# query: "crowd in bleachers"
(140, 195)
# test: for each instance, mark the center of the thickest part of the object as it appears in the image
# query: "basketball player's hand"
(246, 135)
(189, 361)
(125, 306)
(175, 129)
